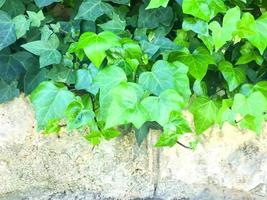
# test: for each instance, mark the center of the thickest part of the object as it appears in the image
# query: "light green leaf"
(47, 50)
(196, 25)
(157, 4)
(92, 9)
(234, 76)
(2, 3)
(85, 80)
(255, 104)
(225, 33)
(205, 112)
(7, 30)
(22, 25)
(168, 140)
(108, 78)
(121, 106)
(95, 46)
(165, 75)
(36, 18)
(252, 123)
(249, 54)
(254, 30)
(160, 108)
(203, 9)
(197, 62)
(50, 102)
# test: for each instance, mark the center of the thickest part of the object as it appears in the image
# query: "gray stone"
(228, 164)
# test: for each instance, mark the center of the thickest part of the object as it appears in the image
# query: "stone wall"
(228, 164)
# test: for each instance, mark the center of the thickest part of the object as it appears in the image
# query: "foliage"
(100, 66)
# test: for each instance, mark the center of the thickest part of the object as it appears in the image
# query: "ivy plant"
(106, 67)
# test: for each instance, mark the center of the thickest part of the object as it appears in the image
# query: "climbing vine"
(104, 66)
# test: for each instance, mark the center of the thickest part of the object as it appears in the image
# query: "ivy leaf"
(205, 112)
(108, 78)
(157, 4)
(197, 62)
(253, 123)
(225, 33)
(92, 9)
(95, 46)
(36, 18)
(8, 91)
(14, 8)
(85, 80)
(160, 108)
(197, 25)
(168, 140)
(11, 67)
(155, 17)
(2, 3)
(234, 76)
(123, 100)
(111, 133)
(7, 30)
(255, 104)
(22, 25)
(203, 9)
(50, 102)
(254, 30)
(60, 73)
(42, 3)
(165, 75)
(116, 25)
(248, 54)
(47, 50)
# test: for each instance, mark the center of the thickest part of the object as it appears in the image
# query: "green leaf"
(95, 46)
(46, 49)
(203, 9)
(36, 18)
(60, 73)
(2, 3)
(255, 104)
(94, 137)
(7, 30)
(157, 4)
(8, 91)
(108, 78)
(50, 102)
(234, 76)
(205, 112)
(254, 30)
(111, 133)
(225, 33)
(249, 54)
(154, 18)
(124, 100)
(22, 25)
(42, 3)
(225, 113)
(167, 140)
(252, 123)
(85, 80)
(196, 25)
(14, 8)
(165, 76)
(197, 62)
(116, 25)
(160, 108)
(92, 9)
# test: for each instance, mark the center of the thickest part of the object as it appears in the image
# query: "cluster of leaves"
(99, 66)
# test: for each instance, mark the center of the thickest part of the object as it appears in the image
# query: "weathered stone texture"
(229, 164)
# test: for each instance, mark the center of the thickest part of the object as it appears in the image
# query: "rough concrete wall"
(229, 164)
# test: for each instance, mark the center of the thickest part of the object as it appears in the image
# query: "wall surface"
(228, 164)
